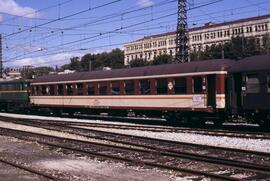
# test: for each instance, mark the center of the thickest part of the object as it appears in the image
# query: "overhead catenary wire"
(90, 39)
(112, 16)
(106, 17)
(64, 17)
(126, 27)
(37, 11)
(190, 18)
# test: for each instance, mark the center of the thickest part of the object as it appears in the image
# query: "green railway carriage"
(14, 94)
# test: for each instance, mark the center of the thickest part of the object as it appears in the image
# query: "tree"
(36, 72)
(138, 63)
(74, 64)
(162, 59)
(113, 59)
(238, 48)
(266, 44)
(86, 61)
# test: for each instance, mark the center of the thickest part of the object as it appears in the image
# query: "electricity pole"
(181, 52)
(1, 58)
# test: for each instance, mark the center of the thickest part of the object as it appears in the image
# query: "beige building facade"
(199, 38)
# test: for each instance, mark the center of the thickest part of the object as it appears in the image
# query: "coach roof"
(255, 63)
(181, 68)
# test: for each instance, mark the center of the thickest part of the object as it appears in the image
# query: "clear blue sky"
(105, 24)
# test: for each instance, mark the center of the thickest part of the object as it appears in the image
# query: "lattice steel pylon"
(181, 51)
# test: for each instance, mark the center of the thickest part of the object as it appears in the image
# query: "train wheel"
(218, 122)
(57, 112)
(264, 124)
(197, 122)
(172, 118)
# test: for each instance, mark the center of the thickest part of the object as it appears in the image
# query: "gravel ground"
(240, 143)
(262, 145)
(76, 167)
(71, 167)
(9, 173)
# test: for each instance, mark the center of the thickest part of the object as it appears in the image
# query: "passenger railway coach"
(249, 89)
(14, 94)
(196, 87)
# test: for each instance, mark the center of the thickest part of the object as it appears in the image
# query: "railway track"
(131, 155)
(202, 131)
(239, 134)
(28, 169)
(165, 150)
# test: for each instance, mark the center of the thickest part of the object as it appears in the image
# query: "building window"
(69, 89)
(90, 89)
(102, 87)
(145, 87)
(213, 35)
(180, 85)
(197, 83)
(252, 83)
(129, 87)
(60, 90)
(79, 89)
(51, 92)
(115, 88)
(248, 29)
(162, 86)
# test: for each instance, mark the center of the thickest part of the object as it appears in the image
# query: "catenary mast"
(1, 58)
(182, 54)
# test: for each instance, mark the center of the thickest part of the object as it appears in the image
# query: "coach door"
(238, 90)
(211, 91)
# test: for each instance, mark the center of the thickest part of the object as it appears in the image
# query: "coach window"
(43, 90)
(51, 90)
(145, 87)
(129, 87)
(197, 84)
(102, 87)
(180, 85)
(115, 88)
(79, 89)
(69, 89)
(162, 86)
(90, 89)
(60, 90)
(252, 83)
(37, 90)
